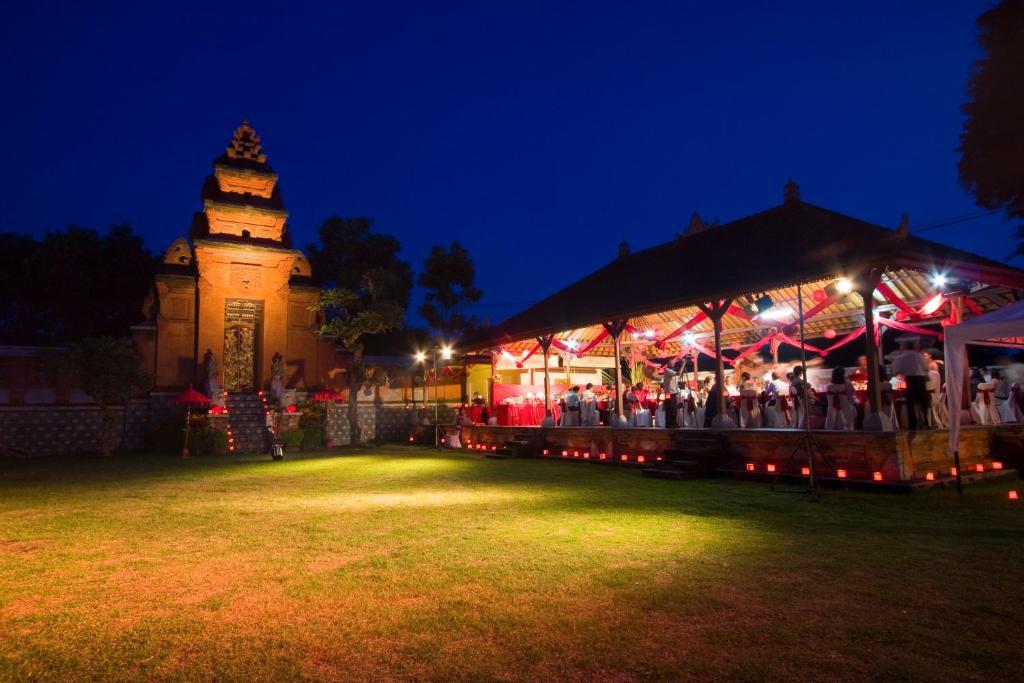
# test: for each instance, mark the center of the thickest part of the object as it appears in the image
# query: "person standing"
(670, 385)
(911, 363)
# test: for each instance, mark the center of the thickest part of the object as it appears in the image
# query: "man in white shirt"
(913, 366)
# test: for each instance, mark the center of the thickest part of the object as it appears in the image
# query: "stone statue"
(212, 384)
(277, 377)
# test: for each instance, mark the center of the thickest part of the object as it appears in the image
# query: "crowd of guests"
(912, 396)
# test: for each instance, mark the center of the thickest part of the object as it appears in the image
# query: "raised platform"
(883, 457)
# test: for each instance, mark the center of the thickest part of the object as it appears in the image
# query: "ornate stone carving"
(246, 145)
(244, 277)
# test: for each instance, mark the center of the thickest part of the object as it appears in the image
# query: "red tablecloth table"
(476, 414)
(523, 415)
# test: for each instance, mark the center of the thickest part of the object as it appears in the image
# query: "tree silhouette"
(72, 284)
(992, 143)
(448, 277)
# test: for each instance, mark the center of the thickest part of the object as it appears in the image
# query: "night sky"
(537, 134)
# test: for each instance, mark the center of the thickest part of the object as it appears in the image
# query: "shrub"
(293, 439)
(312, 434)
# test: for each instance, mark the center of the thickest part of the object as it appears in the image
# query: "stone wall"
(56, 430)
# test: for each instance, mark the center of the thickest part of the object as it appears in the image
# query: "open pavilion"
(831, 275)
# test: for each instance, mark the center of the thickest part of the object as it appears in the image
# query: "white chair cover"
(570, 418)
(750, 409)
(842, 413)
(779, 412)
(939, 412)
(588, 413)
(641, 418)
(985, 410)
(453, 437)
(659, 416)
(1009, 410)
(688, 411)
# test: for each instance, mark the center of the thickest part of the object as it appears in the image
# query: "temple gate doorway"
(242, 323)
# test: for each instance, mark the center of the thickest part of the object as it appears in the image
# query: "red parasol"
(189, 397)
(328, 395)
(192, 397)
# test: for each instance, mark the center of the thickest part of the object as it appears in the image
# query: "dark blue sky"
(537, 134)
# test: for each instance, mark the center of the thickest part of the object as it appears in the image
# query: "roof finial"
(246, 144)
(696, 225)
(623, 249)
(904, 227)
(791, 192)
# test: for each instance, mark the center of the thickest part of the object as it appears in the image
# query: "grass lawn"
(402, 563)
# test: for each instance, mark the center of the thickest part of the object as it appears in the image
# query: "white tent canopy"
(1002, 327)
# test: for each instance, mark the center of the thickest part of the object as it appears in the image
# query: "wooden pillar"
(545, 344)
(866, 289)
(615, 330)
(715, 312)
(490, 384)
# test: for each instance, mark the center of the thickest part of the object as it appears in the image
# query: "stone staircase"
(247, 419)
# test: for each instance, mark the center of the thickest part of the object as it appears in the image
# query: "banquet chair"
(1009, 410)
(778, 412)
(750, 409)
(888, 412)
(842, 413)
(453, 437)
(659, 416)
(939, 411)
(985, 410)
(641, 418)
(588, 413)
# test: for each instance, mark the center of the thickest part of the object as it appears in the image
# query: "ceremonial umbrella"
(189, 397)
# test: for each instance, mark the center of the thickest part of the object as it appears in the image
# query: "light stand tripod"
(806, 443)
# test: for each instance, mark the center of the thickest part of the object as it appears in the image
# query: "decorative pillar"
(867, 283)
(615, 330)
(545, 344)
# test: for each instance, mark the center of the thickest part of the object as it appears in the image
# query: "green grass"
(399, 563)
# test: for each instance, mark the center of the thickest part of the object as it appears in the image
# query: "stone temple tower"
(235, 290)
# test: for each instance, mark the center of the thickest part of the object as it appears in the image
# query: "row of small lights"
(623, 457)
(875, 476)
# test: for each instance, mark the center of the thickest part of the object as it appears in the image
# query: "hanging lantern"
(819, 295)
(735, 346)
(830, 333)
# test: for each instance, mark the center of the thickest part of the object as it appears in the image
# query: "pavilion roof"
(769, 252)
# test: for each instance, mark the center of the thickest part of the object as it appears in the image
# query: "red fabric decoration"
(972, 307)
(819, 295)
(686, 326)
(819, 307)
(904, 327)
(885, 291)
(902, 316)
